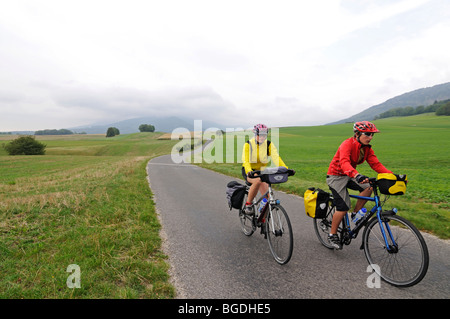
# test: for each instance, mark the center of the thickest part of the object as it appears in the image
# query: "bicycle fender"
(391, 212)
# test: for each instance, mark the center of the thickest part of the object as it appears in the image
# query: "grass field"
(87, 202)
(418, 146)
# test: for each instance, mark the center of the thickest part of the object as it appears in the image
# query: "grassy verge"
(93, 211)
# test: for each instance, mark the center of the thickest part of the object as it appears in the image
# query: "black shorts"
(339, 186)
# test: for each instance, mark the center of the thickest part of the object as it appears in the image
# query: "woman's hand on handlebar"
(253, 174)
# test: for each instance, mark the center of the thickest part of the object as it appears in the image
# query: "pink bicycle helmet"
(260, 129)
(365, 126)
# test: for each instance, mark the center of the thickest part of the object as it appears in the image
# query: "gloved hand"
(361, 178)
(253, 174)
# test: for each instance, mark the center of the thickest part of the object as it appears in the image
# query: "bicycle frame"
(377, 209)
(271, 201)
(390, 242)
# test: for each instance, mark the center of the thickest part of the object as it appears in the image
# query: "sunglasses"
(368, 134)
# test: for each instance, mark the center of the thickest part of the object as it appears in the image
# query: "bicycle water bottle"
(263, 203)
(359, 215)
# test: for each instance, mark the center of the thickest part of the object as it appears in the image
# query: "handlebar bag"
(316, 202)
(275, 175)
(392, 184)
(235, 194)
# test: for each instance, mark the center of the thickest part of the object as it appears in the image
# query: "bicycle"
(272, 218)
(396, 247)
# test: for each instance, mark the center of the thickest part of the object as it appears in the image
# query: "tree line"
(439, 107)
(27, 145)
(54, 132)
(113, 131)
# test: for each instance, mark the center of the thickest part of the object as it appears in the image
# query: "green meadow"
(418, 146)
(86, 202)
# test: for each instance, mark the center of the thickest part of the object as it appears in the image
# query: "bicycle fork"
(267, 216)
(388, 238)
(386, 230)
(277, 231)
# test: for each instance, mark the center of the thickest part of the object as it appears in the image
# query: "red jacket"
(346, 158)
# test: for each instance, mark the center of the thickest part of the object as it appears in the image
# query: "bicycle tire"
(322, 227)
(279, 235)
(402, 267)
(247, 221)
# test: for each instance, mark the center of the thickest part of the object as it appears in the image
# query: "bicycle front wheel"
(279, 234)
(402, 264)
(247, 221)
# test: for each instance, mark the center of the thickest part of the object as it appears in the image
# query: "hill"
(165, 124)
(424, 96)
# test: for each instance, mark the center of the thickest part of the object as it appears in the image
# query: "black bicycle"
(272, 218)
(393, 246)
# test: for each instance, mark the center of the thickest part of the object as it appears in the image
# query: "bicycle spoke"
(402, 265)
(322, 228)
(279, 233)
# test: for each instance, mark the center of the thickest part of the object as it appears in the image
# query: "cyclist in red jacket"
(342, 173)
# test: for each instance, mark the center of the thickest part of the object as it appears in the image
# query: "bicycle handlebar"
(258, 174)
(373, 181)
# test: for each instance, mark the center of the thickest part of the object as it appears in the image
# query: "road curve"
(211, 258)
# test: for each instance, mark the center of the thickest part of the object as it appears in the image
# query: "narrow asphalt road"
(210, 257)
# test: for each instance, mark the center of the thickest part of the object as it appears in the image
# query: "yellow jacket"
(255, 156)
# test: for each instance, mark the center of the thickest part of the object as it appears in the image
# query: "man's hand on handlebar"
(362, 179)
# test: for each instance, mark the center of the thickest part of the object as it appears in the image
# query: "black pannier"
(235, 194)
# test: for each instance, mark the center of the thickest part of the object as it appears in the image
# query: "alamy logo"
(213, 145)
(74, 280)
(374, 280)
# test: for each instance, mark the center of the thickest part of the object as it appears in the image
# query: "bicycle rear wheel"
(279, 234)
(403, 265)
(322, 226)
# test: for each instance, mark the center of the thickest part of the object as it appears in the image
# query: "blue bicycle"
(393, 246)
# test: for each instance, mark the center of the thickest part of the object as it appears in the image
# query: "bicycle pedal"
(263, 232)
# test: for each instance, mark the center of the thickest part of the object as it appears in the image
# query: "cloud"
(113, 103)
(69, 63)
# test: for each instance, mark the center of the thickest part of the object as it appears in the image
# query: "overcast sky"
(67, 63)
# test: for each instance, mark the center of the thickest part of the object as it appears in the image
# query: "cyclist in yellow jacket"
(255, 157)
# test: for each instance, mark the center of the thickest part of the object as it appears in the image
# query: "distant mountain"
(425, 97)
(166, 124)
